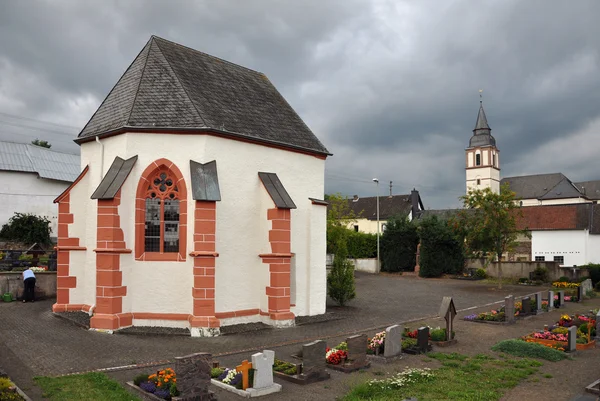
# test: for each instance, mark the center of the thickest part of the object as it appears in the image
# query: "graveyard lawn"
(460, 378)
(88, 386)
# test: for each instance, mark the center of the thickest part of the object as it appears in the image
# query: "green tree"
(27, 228)
(339, 216)
(340, 280)
(43, 144)
(399, 245)
(441, 249)
(489, 223)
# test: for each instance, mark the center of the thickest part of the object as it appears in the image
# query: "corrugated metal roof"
(46, 163)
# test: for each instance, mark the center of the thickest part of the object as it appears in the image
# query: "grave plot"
(349, 356)
(577, 329)
(385, 346)
(505, 314)
(190, 382)
(248, 380)
(445, 337)
(417, 340)
(312, 368)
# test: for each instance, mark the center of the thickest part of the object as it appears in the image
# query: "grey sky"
(390, 87)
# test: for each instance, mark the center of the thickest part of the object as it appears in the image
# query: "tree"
(489, 223)
(339, 215)
(27, 228)
(340, 280)
(399, 245)
(441, 249)
(43, 144)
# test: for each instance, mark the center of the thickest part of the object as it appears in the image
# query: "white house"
(199, 204)
(33, 176)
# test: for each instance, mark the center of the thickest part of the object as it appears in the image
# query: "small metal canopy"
(205, 181)
(114, 178)
(276, 191)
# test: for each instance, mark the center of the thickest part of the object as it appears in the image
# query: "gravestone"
(193, 377)
(538, 302)
(262, 362)
(393, 341)
(357, 350)
(580, 294)
(313, 362)
(423, 339)
(561, 299)
(448, 311)
(509, 309)
(550, 300)
(598, 326)
(572, 339)
(244, 368)
(586, 285)
(526, 306)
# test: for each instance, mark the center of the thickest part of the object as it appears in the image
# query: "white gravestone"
(393, 341)
(262, 363)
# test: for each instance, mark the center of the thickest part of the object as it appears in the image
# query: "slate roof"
(45, 162)
(482, 135)
(591, 189)
(172, 86)
(533, 186)
(115, 178)
(389, 206)
(276, 191)
(442, 214)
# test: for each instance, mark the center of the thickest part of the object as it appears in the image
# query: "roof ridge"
(206, 54)
(177, 78)
(533, 175)
(39, 147)
(140, 80)
(113, 88)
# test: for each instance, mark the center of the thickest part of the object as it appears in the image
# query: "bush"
(27, 228)
(361, 245)
(216, 372)
(399, 246)
(141, 378)
(480, 273)
(563, 279)
(540, 274)
(594, 271)
(340, 280)
(529, 350)
(441, 251)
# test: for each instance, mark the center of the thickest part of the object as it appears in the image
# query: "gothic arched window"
(161, 213)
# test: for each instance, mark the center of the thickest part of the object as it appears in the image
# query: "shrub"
(540, 274)
(340, 280)
(523, 280)
(361, 245)
(563, 279)
(216, 372)
(399, 245)
(27, 228)
(441, 251)
(529, 350)
(5, 384)
(480, 273)
(141, 378)
(594, 271)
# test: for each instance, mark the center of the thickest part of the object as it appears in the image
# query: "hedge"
(441, 252)
(362, 245)
(399, 245)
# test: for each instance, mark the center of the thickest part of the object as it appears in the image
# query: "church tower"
(482, 157)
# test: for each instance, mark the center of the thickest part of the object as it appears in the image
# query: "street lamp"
(376, 181)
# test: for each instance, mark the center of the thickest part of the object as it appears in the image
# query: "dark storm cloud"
(390, 87)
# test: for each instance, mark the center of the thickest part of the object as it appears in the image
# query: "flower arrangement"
(162, 384)
(407, 376)
(335, 356)
(376, 344)
(548, 335)
(564, 284)
(567, 298)
(39, 269)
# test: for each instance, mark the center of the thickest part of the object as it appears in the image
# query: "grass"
(529, 350)
(460, 378)
(88, 386)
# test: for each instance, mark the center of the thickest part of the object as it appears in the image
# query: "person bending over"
(29, 284)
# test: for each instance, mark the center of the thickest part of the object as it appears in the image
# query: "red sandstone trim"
(70, 248)
(71, 307)
(140, 213)
(112, 250)
(68, 190)
(203, 253)
(160, 316)
(239, 313)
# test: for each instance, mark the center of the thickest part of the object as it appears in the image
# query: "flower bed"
(294, 373)
(232, 380)
(9, 391)
(556, 336)
(337, 355)
(162, 384)
(564, 284)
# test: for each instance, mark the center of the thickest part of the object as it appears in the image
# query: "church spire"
(481, 126)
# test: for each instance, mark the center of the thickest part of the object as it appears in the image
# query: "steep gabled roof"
(172, 86)
(389, 206)
(563, 190)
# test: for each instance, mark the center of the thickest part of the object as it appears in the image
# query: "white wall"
(19, 190)
(242, 226)
(571, 244)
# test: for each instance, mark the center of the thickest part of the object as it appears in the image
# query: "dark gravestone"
(572, 339)
(580, 294)
(357, 350)
(526, 306)
(193, 377)
(509, 308)
(313, 361)
(598, 326)
(561, 299)
(538, 302)
(423, 339)
(448, 311)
